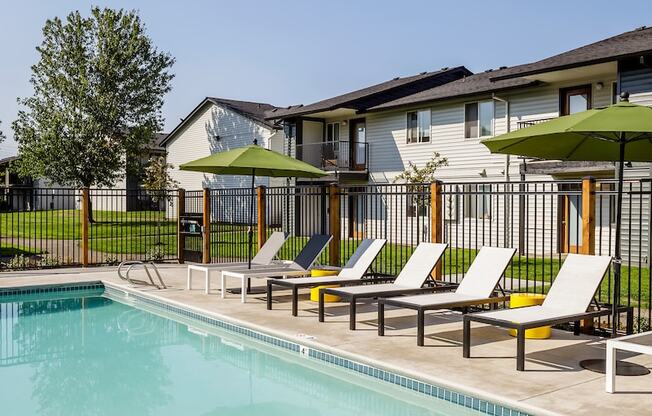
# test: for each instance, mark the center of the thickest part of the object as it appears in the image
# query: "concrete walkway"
(553, 383)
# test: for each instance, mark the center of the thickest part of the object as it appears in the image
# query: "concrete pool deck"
(553, 382)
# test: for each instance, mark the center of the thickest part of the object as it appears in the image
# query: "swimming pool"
(93, 352)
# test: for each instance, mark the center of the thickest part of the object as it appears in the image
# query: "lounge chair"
(352, 272)
(411, 280)
(477, 288)
(567, 301)
(299, 267)
(264, 257)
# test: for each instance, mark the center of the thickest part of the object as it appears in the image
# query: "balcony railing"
(339, 155)
(528, 123)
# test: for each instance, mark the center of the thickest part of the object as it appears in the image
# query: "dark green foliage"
(98, 91)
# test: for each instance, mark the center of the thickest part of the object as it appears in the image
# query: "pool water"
(91, 355)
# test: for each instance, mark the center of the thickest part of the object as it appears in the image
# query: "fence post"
(206, 240)
(588, 229)
(334, 224)
(181, 210)
(588, 215)
(262, 216)
(436, 221)
(85, 206)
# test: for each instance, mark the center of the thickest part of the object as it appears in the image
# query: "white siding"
(197, 139)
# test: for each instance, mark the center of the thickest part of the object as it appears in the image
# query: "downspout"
(507, 127)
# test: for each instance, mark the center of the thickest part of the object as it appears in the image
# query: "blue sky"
(290, 52)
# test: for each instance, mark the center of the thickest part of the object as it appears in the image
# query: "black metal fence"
(43, 227)
(543, 220)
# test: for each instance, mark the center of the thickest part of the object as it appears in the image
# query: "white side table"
(639, 343)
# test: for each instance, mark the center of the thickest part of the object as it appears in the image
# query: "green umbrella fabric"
(592, 135)
(251, 160)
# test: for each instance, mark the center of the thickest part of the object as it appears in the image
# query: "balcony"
(339, 156)
(528, 123)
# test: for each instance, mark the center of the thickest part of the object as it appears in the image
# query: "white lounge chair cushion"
(418, 267)
(269, 271)
(576, 283)
(526, 314)
(270, 249)
(362, 258)
(364, 289)
(318, 280)
(434, 299)
(484, 273)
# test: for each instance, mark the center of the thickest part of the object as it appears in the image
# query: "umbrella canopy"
(594, 135)
(253, 159)
(619, 132)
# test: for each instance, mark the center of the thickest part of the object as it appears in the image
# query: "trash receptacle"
(320, 272)
(518, 300)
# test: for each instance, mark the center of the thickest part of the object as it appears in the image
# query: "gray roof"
(8, 159)
(253, 110)
(472, 85)
(635, 42)
(377, 94)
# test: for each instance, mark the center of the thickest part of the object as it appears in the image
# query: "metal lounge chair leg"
(420, 327)
(295, 301)
(321, 305)
(352, 311)
(269, 295)
(466, 338)
(520, 350)
(630, 320)
(381, 319)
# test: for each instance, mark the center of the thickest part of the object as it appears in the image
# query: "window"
(614, 92)
(478, 119)
(477, 202)
(575, 99)
(332, 132)
(418, 126)
(417, 206)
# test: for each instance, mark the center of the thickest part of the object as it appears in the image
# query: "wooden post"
(206, 240)
(85, 206)
(436, 221)
(334, 224)
(588, 230)
(262, 216)
(588, 215)
(181, 210)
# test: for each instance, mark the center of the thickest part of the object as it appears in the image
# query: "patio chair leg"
(381, 319)
(630, 320)
(189, 284)
(610, 368)
(321, 305)
(466, 339)
(352, 311)
(520, 350)
(295, 300)
(576, 327)
(420, 327)
(269, 295)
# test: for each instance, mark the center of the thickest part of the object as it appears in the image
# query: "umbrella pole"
(617, 255)
(250, 232)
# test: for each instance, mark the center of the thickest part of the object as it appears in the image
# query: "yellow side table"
(518, 300)
(319, 272)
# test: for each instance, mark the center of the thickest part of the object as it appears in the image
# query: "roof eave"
(570, 66)
(533, 83)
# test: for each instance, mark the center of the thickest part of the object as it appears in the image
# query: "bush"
(155, 254)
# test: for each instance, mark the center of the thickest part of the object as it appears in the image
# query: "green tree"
(415, 177)
(98, 92)
(156, 181)
(2, 136)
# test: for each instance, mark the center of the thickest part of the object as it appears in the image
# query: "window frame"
(335, 138)
(493, 118)
(419, 139)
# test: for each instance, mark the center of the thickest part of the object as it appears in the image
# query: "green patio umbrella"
(621, 132)
(253, 160)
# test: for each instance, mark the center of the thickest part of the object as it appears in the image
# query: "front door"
(356, 213)
(570, 224)
(575, 99)
(358, 144)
